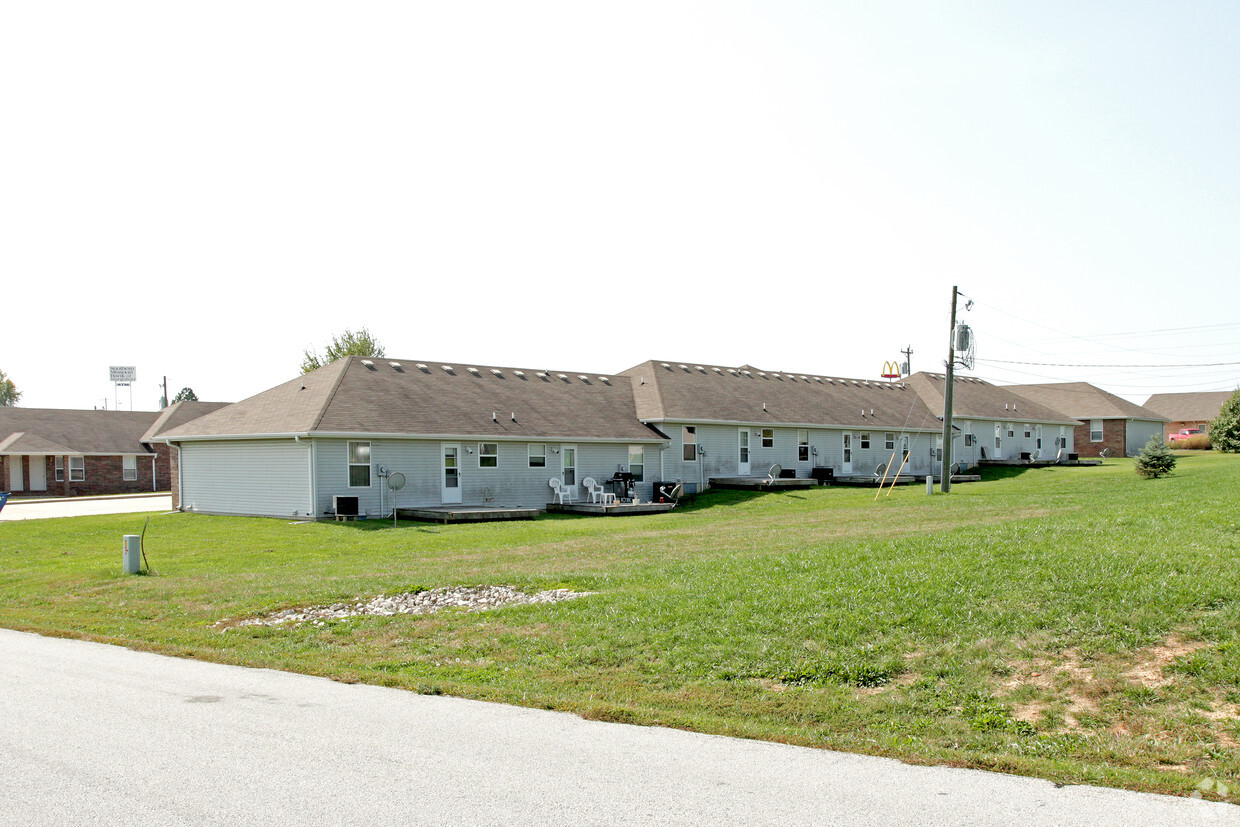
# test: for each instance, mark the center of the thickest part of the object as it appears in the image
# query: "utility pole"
(908, 360)
(946, 485)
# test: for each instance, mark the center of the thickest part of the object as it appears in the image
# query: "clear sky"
(204, 191)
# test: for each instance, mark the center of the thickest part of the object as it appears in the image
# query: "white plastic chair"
(563, 493)
(597, 493)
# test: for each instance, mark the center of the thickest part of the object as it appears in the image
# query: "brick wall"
(104, 475)
(1114, 436)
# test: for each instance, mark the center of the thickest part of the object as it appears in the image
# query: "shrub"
(1225, 430)
(1155, 459)
(1199, 442)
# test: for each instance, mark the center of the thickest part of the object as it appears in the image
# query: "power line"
(1072, 365)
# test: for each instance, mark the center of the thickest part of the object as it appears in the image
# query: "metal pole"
(946, 485)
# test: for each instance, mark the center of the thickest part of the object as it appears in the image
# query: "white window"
(77, 469)
(1011, 430)
(488, 454)
(1095, 430)
(129, 467)
(768, 437)
(359, 464)
(1028, 431)
(689, 440)
(889, 442)
(637, 462)
(538, 455)
(865, 441)
(802, 445)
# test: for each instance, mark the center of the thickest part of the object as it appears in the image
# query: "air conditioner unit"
(345, 506)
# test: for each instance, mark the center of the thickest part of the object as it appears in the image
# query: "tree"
(1225, 430)
(185, 395)
(1155, 458)
(348, 343)
(9, 394)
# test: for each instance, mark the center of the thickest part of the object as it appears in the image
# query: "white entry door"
(16, 483)
(742, 464)
(38, 473)
(847, 467)
(568, 466)
(451, 472)
(998, 440)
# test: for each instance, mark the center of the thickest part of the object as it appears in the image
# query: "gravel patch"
(470, 598)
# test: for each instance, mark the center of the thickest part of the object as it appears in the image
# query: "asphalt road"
(104, 735)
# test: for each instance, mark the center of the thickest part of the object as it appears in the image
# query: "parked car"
(1185, 433)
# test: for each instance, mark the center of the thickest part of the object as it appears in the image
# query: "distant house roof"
(386, 397)
(1189, 407)
(177, 414)
(1082, 400)
(979, 399)
(676, 392)
(55, 431)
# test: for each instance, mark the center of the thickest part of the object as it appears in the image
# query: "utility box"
(131, 554)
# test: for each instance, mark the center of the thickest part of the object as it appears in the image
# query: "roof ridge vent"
(396, 366)
(474, 371)
(422, 367)
(368, 364)
(497, 371)
(520, 373)
(447, 368)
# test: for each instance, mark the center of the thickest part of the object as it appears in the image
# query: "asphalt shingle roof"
(403, 397)
(675, 392)
(1189, 407)
(102, 433)
(1082, 400)
(977, 398)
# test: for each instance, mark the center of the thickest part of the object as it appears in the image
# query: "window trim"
(889, 441)
(126, 461)
(640, 474)
(767, 436)
(484, 454)
(688, 442)
(865, 441)
(351, 463)
(1099, 431)
(802, 445)
(531, 456)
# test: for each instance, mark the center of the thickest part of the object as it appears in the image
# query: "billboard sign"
(123, 374)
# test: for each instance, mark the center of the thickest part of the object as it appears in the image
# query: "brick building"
(48, 452)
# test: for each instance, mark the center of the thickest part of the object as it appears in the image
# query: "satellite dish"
(396, 481)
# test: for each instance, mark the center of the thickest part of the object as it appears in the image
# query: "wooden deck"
(466, 513)
(760, 483)
(1035, 463)
(613, 510)
(871, 481)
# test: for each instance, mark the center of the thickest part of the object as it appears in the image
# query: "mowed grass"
(1078, 624)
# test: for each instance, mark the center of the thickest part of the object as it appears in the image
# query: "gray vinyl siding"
(1138, 433)
(512, 482)
(268, 478)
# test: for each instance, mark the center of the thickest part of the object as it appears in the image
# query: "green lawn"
(1078, 624)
